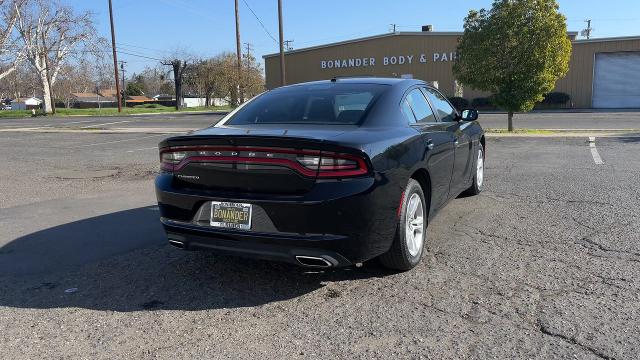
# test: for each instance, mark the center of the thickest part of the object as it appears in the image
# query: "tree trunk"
(178, 94)
(46, 94)
(510, 121)
(207, 100)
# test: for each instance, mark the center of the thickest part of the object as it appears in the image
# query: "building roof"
(92, 97)
(619, 38)
(23, 99)
(85, 95)
(108, 92)
(136, 98)
(571, 34)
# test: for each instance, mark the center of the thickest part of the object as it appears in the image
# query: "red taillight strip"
(324, 171)
(245, 160)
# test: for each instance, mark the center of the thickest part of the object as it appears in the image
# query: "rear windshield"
(331, 103)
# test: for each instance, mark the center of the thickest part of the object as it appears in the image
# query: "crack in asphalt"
(590, 244)
(572, 340)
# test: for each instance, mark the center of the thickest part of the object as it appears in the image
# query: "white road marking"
(119, 141)
(594, 151)
(68, 123)
(109, 123)
(27, 126)
(151, 148)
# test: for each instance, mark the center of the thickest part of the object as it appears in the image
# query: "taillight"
(309, 163)
(330, 164)
(169, 159)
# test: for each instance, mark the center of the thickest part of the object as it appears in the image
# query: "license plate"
(230, 215)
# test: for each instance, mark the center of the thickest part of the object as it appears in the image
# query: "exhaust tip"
(313, 261)
(176, 243)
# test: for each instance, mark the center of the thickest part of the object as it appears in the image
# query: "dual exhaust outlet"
(314, 261)
(307, 261)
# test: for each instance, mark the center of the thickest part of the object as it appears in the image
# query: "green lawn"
(142, 109)
(14, 113)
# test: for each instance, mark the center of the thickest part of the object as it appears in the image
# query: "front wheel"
(408, 244)
(478, 177)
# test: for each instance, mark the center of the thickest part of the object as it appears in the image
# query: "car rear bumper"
(343, 222)
(257, 245)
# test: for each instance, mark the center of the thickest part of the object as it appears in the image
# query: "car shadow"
(120, 262)
(628, 138)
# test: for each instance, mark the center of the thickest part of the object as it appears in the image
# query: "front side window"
(446, 112)
(332, 103)
(420, 106)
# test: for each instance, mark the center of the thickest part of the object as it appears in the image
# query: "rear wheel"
(478, 177)
(408, 245)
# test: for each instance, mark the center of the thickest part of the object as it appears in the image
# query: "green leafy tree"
(134, 89)
(517, 51)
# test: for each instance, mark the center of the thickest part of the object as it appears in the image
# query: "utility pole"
(115, 56)
(283, 79)
(287, 45)
(248, 45)
(239, 56)
(124, 100)
(392, 27)
(587, 32)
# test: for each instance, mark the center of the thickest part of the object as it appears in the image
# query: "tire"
(406, 251)
(478, 177)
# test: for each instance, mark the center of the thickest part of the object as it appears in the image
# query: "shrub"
(148, 106)
(556, 98)
(459, 103)
(481, 102)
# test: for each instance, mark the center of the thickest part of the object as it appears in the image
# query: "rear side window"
(420, 106)
(408, 113)
(446, 112)
(329, 103)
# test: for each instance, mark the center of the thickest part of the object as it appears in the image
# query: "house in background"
(26, 103)
(108, 93)
(92, 100)
(138, 100)
(195, 101)
(164, 97)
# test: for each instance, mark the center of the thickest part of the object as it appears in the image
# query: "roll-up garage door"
(616, 82)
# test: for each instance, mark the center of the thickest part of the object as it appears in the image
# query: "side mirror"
(469, 115)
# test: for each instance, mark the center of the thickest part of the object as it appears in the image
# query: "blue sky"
(206, 27)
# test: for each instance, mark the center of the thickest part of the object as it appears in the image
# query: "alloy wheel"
(414, 229)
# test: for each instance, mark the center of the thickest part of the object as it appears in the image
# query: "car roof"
(362, 80)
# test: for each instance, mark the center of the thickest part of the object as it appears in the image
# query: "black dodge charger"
(322, 174)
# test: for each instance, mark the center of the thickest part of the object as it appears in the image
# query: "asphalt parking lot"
(545, 263)
(176, 122)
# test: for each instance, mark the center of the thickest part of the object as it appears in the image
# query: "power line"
(138, 55)
(260, 21)
(142, 47)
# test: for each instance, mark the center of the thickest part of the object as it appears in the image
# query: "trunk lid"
(250, 160)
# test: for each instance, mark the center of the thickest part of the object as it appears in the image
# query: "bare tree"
(74, 78)
(51, 33)
(154, 81)
(20, 83)
(252, 80)
(11, 53)
(179, 68)
(206, 76)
